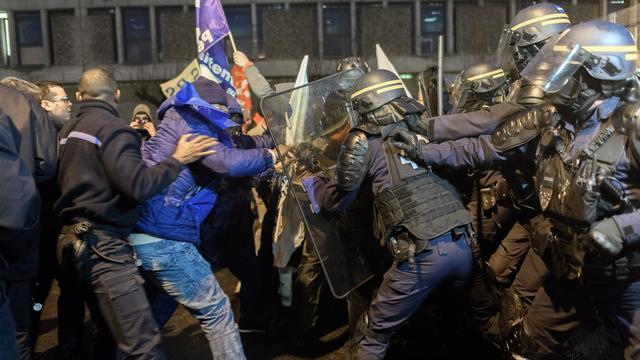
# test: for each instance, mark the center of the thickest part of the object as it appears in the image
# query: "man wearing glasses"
(55, 101)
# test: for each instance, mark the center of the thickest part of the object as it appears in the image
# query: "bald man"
(102, 179)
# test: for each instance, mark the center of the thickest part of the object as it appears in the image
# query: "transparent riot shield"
(315, 117)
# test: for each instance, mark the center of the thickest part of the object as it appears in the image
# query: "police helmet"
(612, 50)
(527, 34)
(606, 51)
(538, 23)
(484, 77)
(375, 89)
(352, 62)
(477, 85)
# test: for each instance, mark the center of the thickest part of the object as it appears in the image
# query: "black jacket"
(19, 207)
(101, 174)
(38, 144)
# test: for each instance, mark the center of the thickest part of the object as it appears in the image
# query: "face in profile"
(57, 104)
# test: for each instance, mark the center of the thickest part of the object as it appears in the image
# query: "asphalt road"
(434, 333)
(184, 340)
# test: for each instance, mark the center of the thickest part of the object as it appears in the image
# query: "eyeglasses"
(59, 98)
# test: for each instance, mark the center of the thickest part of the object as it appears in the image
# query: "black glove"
(606, 238)
(407, 142)
(307, 155)
(240, 140)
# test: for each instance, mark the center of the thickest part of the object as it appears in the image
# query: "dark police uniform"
(417, 214)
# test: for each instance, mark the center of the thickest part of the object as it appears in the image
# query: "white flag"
(384, 63)
(298, 104)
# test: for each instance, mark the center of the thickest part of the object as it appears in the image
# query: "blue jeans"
(405, 288)
(179, 269)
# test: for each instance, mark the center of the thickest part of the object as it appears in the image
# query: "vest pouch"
(560, 194)
(387, 214)
(566, 257)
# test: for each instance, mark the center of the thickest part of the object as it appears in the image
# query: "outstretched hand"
(191, 149)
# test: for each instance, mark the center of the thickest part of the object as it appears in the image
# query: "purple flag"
(211, 27)
(211, 24)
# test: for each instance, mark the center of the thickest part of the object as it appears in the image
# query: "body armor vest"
(418, 201)
(579, 191)
(576, 192)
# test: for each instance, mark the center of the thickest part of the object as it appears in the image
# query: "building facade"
(152, 40)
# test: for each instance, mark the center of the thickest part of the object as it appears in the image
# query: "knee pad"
(511, 312)
(520, 344)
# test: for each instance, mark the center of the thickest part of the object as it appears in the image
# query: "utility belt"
(404, 247)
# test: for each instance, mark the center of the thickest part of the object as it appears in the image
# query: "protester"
(142, 121)
(168, 231)
(102, 180)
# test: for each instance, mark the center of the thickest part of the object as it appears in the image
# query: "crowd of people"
(519, 206)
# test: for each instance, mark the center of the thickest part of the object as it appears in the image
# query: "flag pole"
(233, 43)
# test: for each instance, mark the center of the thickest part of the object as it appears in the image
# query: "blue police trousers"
(404, 288)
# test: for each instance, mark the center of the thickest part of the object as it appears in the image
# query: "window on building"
(29, 37)
(432, 24)
(29, 29)
(262, 9)
(336, 20)
(239, 19)
(617, 5)
(136, 35)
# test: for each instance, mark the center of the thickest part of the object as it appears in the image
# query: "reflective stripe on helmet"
(556, 21)
(600, 48)
(495, 74)
(376, 86)
(394, 87)
(539, 19)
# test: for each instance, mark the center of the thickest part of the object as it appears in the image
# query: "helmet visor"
(506, 51)
(555, 64)
(459, 93)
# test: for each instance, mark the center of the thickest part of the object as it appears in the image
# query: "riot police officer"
(478, 87)
(502, 241)
(586, 156)
(528, 31)
(417, 214)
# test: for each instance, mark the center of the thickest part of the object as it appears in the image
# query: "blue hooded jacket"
(177, 212)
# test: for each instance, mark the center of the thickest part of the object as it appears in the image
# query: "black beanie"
(210, 91)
